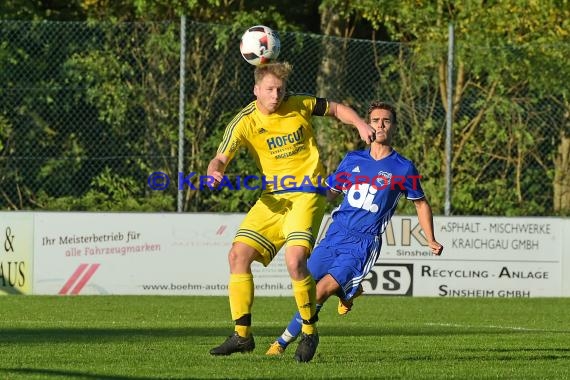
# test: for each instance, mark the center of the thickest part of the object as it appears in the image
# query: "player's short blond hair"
(281, 70)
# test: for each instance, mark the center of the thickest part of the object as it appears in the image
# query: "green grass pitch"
(151, 337)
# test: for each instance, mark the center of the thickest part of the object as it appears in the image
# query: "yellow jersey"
(283, 144)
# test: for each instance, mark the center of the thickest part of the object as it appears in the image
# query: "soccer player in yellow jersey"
(277, 130)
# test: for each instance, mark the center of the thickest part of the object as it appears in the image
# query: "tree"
(89, 110)
(208, 80)
(507, 67)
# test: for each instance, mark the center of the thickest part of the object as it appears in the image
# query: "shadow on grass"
(500, 354)
(47, 373)
(426, 331)
(66, 335)
(520, 349)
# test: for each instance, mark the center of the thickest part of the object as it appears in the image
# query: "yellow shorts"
(277, 219)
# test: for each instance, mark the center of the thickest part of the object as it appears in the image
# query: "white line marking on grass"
(494, 327)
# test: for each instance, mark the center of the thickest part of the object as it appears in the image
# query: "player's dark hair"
(383, 106)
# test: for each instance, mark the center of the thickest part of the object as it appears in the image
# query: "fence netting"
(89, 110)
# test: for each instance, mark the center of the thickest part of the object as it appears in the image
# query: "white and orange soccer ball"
(260, 44)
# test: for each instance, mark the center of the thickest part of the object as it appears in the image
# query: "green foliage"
(5, 131)
(109, 192)
(79, 100)
(68, 10)
(509, 61)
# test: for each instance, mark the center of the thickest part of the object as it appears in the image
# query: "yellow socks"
(241, 289)
(241, 300)
(305, 292)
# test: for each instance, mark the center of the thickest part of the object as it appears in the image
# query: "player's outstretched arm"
(425, 217)
(217, 167)
(349, 116)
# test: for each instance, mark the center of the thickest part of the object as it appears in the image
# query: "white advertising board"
(108, 253)
(482, 257)
(186, 254)
(565, 246)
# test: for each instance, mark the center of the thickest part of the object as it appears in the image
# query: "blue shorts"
(347, 256)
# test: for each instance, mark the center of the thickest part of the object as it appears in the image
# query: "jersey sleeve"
(321, 107)
(234, 136)
(412, 185)
(314, 106)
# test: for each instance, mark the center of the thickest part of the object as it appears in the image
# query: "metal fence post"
(449, 123)
(181, 106)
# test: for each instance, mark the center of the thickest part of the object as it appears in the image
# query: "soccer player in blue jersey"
(277, 130)
(372, 181)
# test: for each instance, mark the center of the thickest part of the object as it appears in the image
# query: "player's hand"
(435, 248)
(217, 176)
(367, 133)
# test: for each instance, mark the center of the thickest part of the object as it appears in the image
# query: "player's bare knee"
(240, 259)
(296, 265)
(326, 287)
(296, 271)
(233, 257)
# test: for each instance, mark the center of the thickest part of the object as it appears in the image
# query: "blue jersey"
(372, 189)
